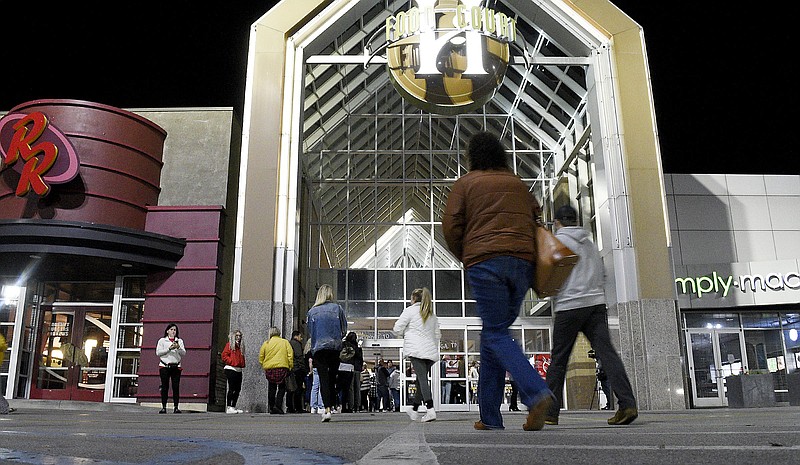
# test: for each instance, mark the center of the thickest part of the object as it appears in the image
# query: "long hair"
(423, 296)
(232, 340)
(324, 294)
(171, 325)
(352, 338)
(485, 152)
(274, 331)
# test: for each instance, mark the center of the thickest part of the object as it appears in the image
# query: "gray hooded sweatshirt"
(584, 286)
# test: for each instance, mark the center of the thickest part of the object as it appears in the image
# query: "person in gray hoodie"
(580, 306)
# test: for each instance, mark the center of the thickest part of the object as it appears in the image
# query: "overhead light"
(126, 265)
(10, 292)
(35, 257)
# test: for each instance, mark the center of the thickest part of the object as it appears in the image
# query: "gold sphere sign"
(448, 56)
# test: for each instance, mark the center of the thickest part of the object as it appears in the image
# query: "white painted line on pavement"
(620, 447)
(406, 446)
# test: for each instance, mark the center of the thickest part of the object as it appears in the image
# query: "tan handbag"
(554, 263)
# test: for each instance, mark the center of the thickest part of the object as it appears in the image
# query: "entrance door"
(376, 350)
(713, 354)
(72, 353)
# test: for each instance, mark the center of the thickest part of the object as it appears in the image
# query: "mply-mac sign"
(448, 56)
(716, 283)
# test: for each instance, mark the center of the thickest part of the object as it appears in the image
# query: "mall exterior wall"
(632, 213)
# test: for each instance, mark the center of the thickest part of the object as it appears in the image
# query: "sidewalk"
(78, 432)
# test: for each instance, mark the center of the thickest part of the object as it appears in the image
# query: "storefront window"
(791, 337)
(711, 320)
(760, 320)
(129, 338)
(78, 292)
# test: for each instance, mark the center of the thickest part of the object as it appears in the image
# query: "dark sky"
(720, 73)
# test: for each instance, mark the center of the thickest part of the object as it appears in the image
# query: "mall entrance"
(713, 354)
(72, 354)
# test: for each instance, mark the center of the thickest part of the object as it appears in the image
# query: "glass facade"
(731, 341)
(66, 337)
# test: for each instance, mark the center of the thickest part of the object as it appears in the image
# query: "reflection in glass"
(705, 371)
(452, 340)
(711, 320)
(537, 340)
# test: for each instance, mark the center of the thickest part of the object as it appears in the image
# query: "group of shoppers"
(488, 224)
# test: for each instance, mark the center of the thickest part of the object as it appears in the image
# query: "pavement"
(59, 432)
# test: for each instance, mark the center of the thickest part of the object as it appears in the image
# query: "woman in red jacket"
(233, 358)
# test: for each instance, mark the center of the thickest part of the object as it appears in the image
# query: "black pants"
(344, 381)
(385, 397)
(275, 396)
(168, 374)
(327, 363)
(593, 323)
(234, 386)
(295, 401)
(422, 367)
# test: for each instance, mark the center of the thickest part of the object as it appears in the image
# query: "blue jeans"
(316, 396)
(499, 285)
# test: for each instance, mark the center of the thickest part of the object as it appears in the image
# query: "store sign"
(38, 151)
(448, 56)
(721, 284)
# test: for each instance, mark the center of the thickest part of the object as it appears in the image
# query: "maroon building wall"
(120, 155)
(188, 296)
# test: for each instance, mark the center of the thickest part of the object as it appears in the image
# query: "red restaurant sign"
(37, 150)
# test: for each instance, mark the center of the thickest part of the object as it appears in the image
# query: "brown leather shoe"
(624, 416)
(481, 427)
(537, 415)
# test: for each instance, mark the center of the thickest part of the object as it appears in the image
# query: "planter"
(746, 391)
(793, 380)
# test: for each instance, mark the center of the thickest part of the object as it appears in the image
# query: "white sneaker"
(314, 410)
(430, 415)
(326, 417)
(413, 414)
(239, 411)
(230, 409)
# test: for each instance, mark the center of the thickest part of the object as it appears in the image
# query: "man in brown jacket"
(488, 224)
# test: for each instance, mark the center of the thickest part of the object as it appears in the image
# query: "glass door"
(72, 353)
(713, 354)
(387, 350)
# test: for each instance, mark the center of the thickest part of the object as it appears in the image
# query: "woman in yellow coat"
(277, 359)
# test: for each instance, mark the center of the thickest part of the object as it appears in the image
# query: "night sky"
(724, 93)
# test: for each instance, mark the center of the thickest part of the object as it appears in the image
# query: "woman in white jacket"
(170, 350)
(420, 329)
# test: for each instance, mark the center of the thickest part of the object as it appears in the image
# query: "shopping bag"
(291, 382)
(554, 263)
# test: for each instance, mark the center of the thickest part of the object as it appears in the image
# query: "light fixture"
(10, 292)
(793, 335)
(126, 265)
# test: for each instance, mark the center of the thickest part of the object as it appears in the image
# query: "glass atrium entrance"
(376, 173)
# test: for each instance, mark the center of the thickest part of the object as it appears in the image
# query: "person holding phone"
(171, 350)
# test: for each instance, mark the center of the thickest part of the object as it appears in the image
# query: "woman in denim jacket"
(327, 326)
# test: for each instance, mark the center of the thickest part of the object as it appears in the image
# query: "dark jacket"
(381, 376)
(358, 359)
(490, 214)
(299, 357)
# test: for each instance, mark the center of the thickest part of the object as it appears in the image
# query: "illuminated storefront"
(737, 277)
